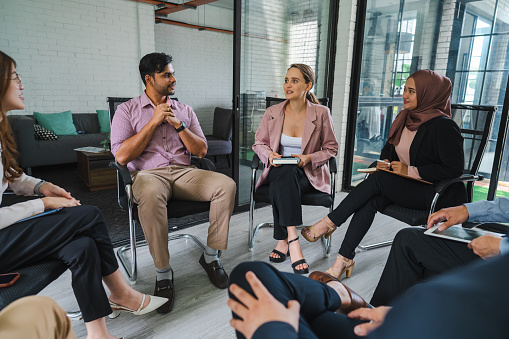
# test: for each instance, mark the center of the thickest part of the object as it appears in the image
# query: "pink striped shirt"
(165, 148)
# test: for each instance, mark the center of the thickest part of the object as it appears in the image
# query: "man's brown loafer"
(216, 272)
(165, 288)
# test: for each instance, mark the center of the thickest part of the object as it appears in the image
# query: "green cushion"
(104, 120)
(60, 123)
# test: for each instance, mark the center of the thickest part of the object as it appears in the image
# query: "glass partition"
(275, 34)
(466, 41)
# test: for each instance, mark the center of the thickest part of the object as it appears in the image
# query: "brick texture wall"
(73, 54)
(203, 67)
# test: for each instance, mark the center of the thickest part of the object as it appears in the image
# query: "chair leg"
(375, 245)
(131, 269)
(74, 315)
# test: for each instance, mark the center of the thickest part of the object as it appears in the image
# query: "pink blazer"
(318, 140)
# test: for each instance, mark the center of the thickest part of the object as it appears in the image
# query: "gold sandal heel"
(350, 264)
(315, 235)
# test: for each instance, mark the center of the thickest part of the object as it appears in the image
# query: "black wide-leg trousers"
(374, 194)
(415, 257)
(318, 302)
(76, 235)
(287, 184)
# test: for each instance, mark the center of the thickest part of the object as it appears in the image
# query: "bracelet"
(38, 187)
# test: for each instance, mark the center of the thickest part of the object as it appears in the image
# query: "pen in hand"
(383, 162)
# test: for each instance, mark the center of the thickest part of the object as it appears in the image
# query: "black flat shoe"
(165, 288)
(216, 272)
(298, 262)
(282, 256)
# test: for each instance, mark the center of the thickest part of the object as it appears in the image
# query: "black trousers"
(287, 184)
(374, 194)
(318, 302)
(415, 257)
(76, 235)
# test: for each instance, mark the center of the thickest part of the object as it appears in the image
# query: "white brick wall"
(73, 54)
(203, 67)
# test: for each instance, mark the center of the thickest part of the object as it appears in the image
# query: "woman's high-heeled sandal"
(314, 234)
(350, 263)
(356, 301)
(282, 256)
(155, 303)
(298, 262)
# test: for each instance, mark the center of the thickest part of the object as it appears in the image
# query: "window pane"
(482, 16)
(502, 20)
(274, 35)
(499, 52)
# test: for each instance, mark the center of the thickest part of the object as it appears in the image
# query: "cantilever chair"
(220, 141)
(475, 123)
(176, 208)
(312, 199)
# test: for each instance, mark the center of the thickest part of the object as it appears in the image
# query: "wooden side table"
(94, 171)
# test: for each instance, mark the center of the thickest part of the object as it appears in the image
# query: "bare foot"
(282, 246)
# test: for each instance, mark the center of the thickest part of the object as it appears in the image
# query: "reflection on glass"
(274, 35)
(393, 50)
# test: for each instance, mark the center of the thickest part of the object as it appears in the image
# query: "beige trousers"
(153, 188)
(35, 317)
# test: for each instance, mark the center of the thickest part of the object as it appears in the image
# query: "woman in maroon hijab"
(424, 143)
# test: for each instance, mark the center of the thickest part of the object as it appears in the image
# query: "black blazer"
(437, 152)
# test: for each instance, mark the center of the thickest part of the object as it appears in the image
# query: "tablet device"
(286, 161)
(41, 214)
(457, 233)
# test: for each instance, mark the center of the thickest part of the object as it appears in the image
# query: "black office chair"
(176, 208)
(220, 141)
(33, 279)
(312, 199)
(475, 123)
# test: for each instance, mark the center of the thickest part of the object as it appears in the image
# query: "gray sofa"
(35, 152)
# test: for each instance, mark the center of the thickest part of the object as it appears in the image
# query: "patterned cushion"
(42, 133)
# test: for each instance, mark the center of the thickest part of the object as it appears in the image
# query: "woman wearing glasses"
(76, 235)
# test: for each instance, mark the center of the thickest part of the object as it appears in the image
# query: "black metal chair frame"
(33, 279)
(307, 199)
(469, 177)
(176, 208)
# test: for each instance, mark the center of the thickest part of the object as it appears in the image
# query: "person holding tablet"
(424, 143)
(301, 128)
(416, 256)
(76, 235)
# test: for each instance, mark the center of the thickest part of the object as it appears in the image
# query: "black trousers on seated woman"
(318, 302)
(378, 191)
(76, 235)
(287, 184)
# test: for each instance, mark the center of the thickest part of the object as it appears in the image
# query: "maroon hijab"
(433, 100)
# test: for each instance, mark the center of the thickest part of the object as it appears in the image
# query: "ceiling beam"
(172, 8)
(200, 28)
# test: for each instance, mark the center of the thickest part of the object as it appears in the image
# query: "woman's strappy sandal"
(298, 262)
(315, 235)
(350, 263)
(282, 256)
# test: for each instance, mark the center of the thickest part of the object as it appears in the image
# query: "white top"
(23, 185)
(289, 145)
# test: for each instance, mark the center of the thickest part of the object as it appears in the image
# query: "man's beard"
(166, 91)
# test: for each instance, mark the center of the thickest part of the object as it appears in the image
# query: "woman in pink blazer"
(302, 128)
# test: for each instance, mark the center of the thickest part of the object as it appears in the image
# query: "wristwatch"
(181, 128)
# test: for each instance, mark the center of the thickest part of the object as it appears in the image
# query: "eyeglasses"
(18, 78)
